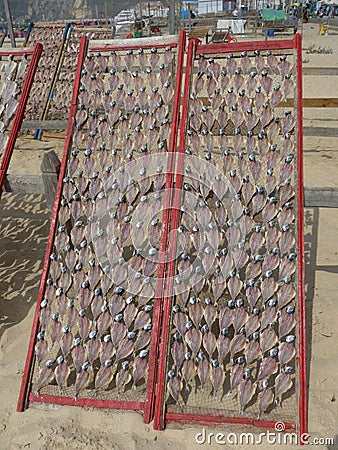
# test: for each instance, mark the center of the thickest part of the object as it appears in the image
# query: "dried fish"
(203, 371)
(268, 339)
(267, 367)
(123, 377)
(237, 344)
(140, 368)
(61, 372)
(93, 347)
(82, 379)
(46, 376)
(252, 352)
(246, 391)
(209, 343)
(286, 351)
(283, 383)
(193, 338)
(104, 376)
(236, 376)
(286, 323)
(265, 398)
(41, 348)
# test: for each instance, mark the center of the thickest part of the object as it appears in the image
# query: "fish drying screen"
(17, 69)
(232, 349)
(62, 92)
(52, 38)
(93, 324)
(205, 323)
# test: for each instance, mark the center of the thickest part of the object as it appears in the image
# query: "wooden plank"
(313, 103)
(198, 33)
(320, 131)
(45, 124)
(100, 45)
(50, 168)
(322, 197)
(23, 184)
(320, 70)
(320, 102)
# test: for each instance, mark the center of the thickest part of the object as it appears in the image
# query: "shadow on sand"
(24, 226)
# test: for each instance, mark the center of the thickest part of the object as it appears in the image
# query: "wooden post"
(10, 24)
(97, 15)
(50, 167)
(106, 12)
(172, 16)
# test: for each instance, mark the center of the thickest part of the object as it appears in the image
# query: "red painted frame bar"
(159, 294)
(107, 404)
(16, 52)
(212, 419)
(240, 46)
(30, 355)
(18, 119)
(301, 260)
(160, 387)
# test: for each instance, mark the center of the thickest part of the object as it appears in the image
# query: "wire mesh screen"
(234, 335)
(175, 282)
(62, 92)
(13, 69)
(51, 37)
(94, 317)
(17, 69)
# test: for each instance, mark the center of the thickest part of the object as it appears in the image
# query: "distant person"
(235, 13)
(294, 17)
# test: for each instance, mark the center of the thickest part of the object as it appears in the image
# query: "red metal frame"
(158, 306)
(148, 405)
(30, 355)
(301, 260)
(106, 404)
(16, 52)
(154, 405)
(221, 419)
(239, 46)
(20, 109)
(161, 416)
(160, 391)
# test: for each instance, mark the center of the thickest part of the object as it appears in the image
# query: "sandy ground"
(24, 223)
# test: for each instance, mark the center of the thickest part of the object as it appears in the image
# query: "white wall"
(208, 6)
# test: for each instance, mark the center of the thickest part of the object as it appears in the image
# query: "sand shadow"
(24, 226)
(311, 221)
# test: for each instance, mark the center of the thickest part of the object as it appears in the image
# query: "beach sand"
(24, 224)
